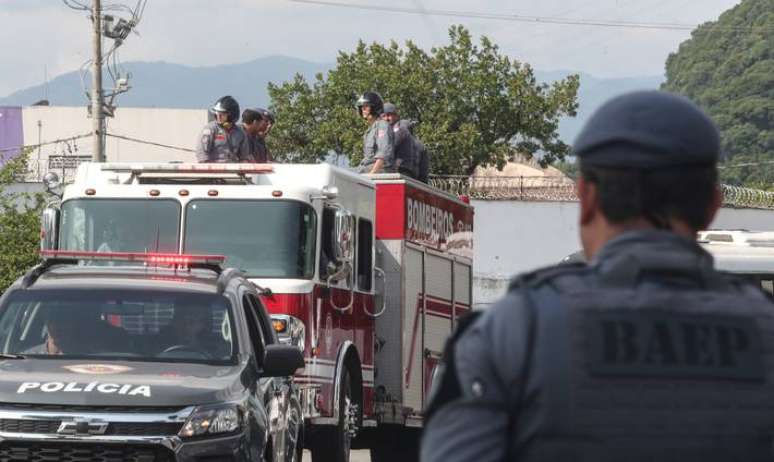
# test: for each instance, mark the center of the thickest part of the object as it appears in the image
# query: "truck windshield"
(264, 238)
(120, 225)
(136, 325)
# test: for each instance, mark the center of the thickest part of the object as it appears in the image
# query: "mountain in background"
(161, 84)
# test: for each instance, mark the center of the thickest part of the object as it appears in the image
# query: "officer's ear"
(589, 205)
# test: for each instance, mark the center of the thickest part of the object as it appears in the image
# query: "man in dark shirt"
(256, 124)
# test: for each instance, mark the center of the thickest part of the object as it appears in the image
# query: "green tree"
(473, 106)
(727, 67)
(19, 223)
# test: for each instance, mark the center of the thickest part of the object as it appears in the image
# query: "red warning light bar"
(189, 168)
(149, 258)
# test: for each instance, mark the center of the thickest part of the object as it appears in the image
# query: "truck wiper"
(11, 356)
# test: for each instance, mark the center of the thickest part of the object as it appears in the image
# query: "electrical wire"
(149, 143)
(520, 18)
(76, 5)
(35, 146)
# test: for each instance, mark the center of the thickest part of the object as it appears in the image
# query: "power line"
(34, 146)
(516, 17)
(150, 143)
(76, 5)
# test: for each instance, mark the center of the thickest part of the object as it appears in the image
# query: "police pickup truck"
(143, 358)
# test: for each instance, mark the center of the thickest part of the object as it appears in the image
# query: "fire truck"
(366, 274)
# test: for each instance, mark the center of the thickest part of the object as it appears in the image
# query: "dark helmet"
(372, 99)
(268, 115)
(228, 105)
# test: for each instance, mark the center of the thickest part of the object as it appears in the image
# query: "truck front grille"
(28, 426)
(50, 427)
(90, 409)
(68, 452)
(144, 429)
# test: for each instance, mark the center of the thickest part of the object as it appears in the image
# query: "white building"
(179, 128)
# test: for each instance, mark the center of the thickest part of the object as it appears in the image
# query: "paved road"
(356, 456)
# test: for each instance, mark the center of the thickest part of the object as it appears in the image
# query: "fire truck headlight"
(211, 420)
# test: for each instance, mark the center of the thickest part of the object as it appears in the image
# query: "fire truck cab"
(365, 274)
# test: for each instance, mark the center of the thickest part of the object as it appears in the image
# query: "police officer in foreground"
(645, 354)
(379, 140)
(222, 140)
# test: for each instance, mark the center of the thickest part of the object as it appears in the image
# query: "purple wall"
(11, 132)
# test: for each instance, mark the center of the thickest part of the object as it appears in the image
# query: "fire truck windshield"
(120, 225)
(264, 238)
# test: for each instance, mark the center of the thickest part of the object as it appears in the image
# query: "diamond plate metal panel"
(388, 353)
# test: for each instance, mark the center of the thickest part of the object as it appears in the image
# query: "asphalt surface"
(355, 456)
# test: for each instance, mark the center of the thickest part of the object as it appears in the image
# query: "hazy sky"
(38, 33)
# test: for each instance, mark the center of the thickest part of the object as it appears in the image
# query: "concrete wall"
(176, 127)
(511, 237)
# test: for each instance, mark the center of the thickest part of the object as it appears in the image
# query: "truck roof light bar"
(241, 169)
(148, 258)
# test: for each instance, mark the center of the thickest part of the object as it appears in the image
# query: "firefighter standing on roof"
(645, 354)
(223, 140)
(379, 140)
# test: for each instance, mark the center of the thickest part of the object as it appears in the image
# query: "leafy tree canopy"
(19, 223)
(727, 67)
(473, 105)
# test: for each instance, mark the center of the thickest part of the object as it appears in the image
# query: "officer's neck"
(597, 234)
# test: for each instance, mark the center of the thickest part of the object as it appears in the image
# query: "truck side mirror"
(282, 360)
(49, 228)
(344, 247)
(290, 330)
(344, 235)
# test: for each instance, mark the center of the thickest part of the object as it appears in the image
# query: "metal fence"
(540, 188)
(520, 188)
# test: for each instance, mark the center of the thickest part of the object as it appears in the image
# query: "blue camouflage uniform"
(217, 144)
(645, 354)
(378, 143)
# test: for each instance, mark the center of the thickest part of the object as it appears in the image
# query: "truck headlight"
(210, 420)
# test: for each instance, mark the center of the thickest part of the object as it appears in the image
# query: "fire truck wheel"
(395, 443)
(333, 444)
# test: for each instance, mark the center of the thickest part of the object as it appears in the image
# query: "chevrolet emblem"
(81, 427)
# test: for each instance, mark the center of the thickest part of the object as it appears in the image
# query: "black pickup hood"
(118, 383)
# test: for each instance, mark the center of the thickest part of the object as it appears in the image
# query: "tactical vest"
(648, 360)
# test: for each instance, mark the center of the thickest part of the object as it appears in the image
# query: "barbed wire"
(541, 188)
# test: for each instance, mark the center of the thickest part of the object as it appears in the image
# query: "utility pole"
(97, 116)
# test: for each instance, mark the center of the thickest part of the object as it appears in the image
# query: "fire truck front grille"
(28, 426)
(67, 452)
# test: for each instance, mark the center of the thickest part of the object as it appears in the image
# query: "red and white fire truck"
(366, 274)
